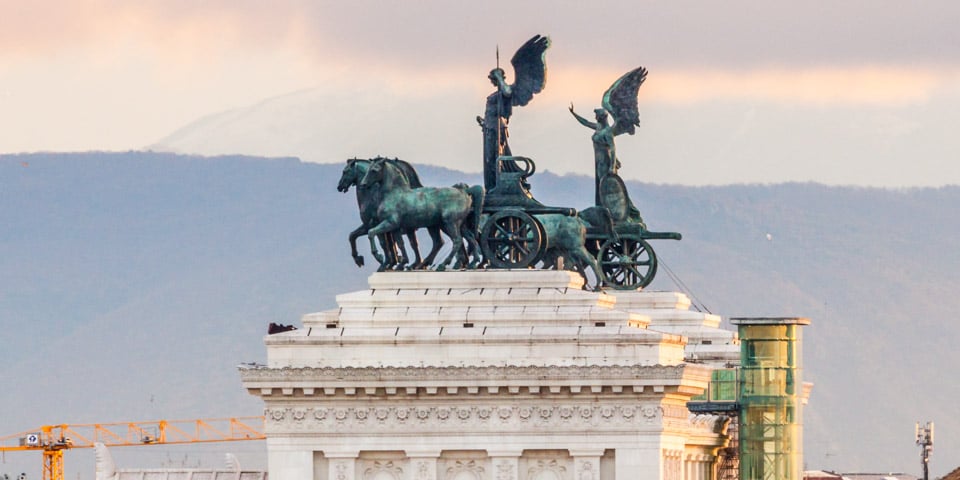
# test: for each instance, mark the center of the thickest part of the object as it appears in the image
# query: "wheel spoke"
(636, 273)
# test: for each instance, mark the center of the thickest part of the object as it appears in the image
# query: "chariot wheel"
(511, 239)
(627, 263)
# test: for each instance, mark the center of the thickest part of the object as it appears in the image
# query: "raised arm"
(583, 121)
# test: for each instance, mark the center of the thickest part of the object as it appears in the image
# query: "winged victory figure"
(619, 101)
(530, 69)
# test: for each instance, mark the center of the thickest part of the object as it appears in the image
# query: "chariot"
(512, 236)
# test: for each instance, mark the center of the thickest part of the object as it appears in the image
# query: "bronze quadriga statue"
(502, 219)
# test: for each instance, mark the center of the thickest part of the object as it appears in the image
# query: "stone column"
(290, 465)
(673, 465)
(505, 464)
(586, 464)
(422, 464)
(341, 465)
(637, 463)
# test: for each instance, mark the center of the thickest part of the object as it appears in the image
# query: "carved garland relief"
(382, 470)
(547, 470)
(465, 470)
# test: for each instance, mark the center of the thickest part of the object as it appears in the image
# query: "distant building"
(954, 475)
(820, 475)
(877, 476)
(107, 470)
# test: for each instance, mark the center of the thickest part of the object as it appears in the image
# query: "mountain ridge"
(151, 275)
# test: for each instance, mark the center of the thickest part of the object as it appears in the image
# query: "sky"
(859, 92)
(853, 92)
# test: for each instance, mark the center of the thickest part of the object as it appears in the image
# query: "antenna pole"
(925, 442)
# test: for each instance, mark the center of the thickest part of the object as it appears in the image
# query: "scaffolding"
(771, 393)
(721, 399)
(762, 397)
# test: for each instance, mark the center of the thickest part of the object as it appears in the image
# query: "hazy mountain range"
(132, 284)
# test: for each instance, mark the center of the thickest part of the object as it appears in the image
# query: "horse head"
(352, 173)
(374, 173)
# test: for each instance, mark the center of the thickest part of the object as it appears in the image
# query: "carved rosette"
(458, 418)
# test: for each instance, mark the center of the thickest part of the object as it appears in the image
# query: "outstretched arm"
(583, 121)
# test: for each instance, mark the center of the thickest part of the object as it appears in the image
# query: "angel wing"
(530, 69)
(621, 101)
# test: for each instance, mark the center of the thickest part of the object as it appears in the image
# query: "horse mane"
(405, 168)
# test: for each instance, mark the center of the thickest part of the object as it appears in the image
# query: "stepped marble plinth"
(669, 312)
(489, 375)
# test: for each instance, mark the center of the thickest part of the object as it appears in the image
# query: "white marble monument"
(492, 375)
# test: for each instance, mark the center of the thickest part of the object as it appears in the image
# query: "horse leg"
(415, 246)
(582, 258)
(389, 249)
(465, 252)
(361, 230)
(382, 228)
(473, 249)
(437, 244)
(452, 230)
(401, 250)
(549, 259)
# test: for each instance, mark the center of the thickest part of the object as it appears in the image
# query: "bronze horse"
(402, 207)
(368, 200)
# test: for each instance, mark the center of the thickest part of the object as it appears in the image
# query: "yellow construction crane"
(54, 439)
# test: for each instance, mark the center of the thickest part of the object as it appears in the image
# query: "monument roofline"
(770, 321)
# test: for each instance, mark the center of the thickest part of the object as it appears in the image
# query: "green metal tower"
(771, 389)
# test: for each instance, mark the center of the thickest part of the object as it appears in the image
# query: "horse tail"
(477, 194)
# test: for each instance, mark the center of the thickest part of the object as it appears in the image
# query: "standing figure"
(620, 101)
(530, 68)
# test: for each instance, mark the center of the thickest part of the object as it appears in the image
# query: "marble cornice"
(376, 381)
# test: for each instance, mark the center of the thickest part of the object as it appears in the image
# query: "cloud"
(733, 34)
(814, 86)
(738, 49)
(847, 86)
